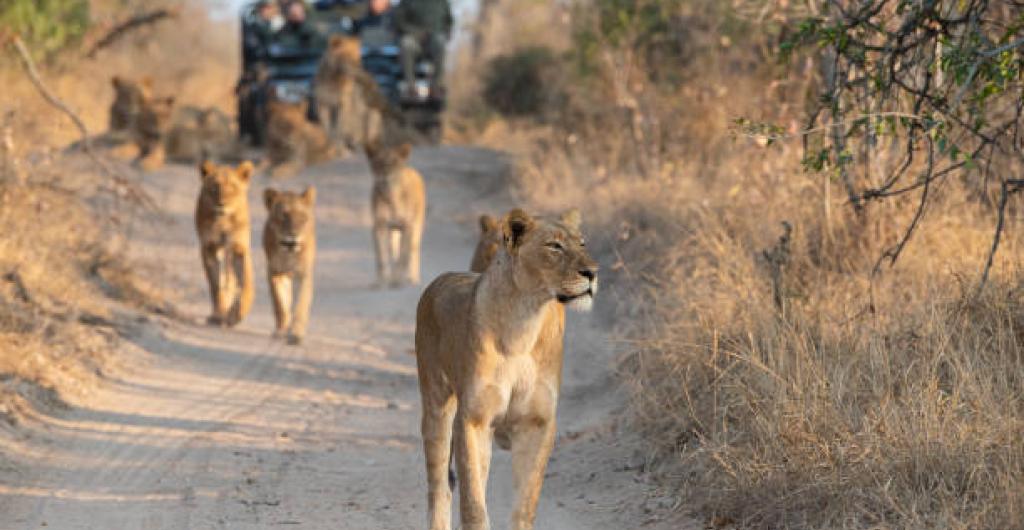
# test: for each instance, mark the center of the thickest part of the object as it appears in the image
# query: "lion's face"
(129, 96)
(130, 93)
(154, 119)
(344, 49)
(385, 159)
(549, 254)
(225, 187)
(290, 215)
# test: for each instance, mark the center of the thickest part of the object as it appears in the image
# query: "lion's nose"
(589, 273)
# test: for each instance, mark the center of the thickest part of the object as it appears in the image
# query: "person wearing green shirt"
(425, 27)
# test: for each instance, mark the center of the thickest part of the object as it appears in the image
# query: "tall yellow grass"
(792, 388)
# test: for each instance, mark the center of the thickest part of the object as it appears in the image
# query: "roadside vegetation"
(807, 214)
(69, 289)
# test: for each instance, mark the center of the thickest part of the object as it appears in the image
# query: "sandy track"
(204, 428)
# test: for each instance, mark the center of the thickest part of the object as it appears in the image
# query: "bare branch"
(135, 22)
(135, 192)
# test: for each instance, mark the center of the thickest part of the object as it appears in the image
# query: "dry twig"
(135, 22)
(122, 183)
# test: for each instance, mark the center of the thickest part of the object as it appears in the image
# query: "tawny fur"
(289, 240)
(488, 245)
(293, 142)
(128, 99)
(223, 227)
(344, 95)
(153, 129)
(399, 204)
(196, 133)
(489, 360)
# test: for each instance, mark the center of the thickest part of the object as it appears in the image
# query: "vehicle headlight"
(422, 88)
(290, 92)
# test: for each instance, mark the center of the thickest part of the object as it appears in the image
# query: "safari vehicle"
(421, 107)
(287, 72)
(282, 71)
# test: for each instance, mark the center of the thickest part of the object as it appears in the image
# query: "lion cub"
(399, 203)
(289, 239)
(489, 361)
(222, 223)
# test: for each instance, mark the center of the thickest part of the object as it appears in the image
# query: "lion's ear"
(269, 196)
(488, 224)
(309, 195)
(572, 218)
(517, 224)
(207, 168)
(245, 171)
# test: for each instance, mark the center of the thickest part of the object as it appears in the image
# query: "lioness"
(128, 99)
(289, 239)
(196, 133)
(399, 203)
(489, 358)
(292, 141)
(187, 134)
(222, 223)
(337, 86)
(487, 247)
(150, 129)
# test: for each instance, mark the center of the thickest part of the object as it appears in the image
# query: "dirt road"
(204, 428)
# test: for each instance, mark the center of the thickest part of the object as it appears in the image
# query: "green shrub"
(46, 26)
(522, 83)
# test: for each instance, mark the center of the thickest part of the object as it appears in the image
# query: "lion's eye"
(555, 245)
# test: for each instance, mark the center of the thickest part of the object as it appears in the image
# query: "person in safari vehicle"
(425, 27)
(298, 32)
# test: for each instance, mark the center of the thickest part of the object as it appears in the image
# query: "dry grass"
(889, 400)
(65, 281)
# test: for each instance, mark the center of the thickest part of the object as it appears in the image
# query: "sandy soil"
(205, 428)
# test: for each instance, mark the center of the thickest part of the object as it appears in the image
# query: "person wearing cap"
(425, 27)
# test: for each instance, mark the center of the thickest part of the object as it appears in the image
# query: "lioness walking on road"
(489, 359)
(289, 239)
(399, 203)
(223, 226)
(345, 95)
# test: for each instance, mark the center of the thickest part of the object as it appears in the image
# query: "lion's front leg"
(281, 294)
(382, 251)
(531, 447)
(247, 288)
(238, 270)
(436, 428)
(211, 265)
(302, 304)
(473, 459)
(153, 157)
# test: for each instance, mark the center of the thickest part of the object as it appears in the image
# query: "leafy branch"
(938, 83)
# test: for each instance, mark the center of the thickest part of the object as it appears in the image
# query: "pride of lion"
(488, 342)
